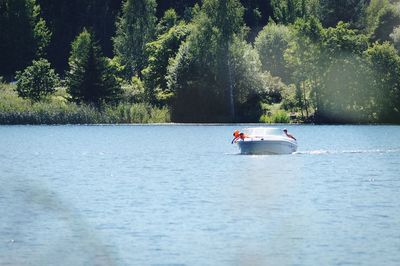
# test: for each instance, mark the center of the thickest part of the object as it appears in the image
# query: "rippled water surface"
(181, 195)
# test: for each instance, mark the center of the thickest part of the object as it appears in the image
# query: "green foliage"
(135, 28)
(203, 69)
(343, 83)
(16, 110)
(169, 20)
(57, 110)
(253, 18)
(344, 96)
(67, 18)
(343, 39)
(271, 44)
(160, 52)
(118, 68)
(385, 64)
(290, 98)
(249, 85)
(303, 58)
(388, 18)
(134, 92)
(309, 28)
(91, 79)
(274, 88)
(279, 116)
(348, 11)
(42, 34)
(23, 35)
(201, 75)
(181, 7)
(136, 113)
(36, 81)
(395, 36)
(372, 11)
(287, 11)
(329, 72)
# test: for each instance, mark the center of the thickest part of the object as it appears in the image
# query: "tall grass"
(136, 113)
(279, 116)
(57, 110)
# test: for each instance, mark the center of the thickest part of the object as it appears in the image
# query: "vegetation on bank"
(323, 61)
(57, 109)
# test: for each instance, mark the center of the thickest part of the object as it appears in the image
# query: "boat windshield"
(263, 131)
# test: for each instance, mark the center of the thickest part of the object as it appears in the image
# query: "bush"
(36, 81)
(57, 110)
(279, 116)
(134, 92)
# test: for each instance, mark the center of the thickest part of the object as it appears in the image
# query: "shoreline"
(199, 124)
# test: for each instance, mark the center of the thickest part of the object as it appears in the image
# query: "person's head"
(285, 130)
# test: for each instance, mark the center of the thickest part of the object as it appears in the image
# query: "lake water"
(181, 195)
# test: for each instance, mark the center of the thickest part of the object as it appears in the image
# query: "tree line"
(321, 61)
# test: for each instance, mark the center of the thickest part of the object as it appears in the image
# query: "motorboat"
(265, 140)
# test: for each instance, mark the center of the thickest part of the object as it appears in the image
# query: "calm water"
(181, 195)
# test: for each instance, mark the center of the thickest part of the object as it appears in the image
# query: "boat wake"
(376, 151)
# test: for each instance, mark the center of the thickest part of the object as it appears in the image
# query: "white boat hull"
(267, 146)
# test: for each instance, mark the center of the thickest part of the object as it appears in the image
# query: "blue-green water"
(181, 195)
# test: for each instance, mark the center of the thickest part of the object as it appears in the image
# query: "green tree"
(287, 11)
(169, 20)
(371, 14)
(36, 81)
(134, 91)
(135, 28)
(388, 18)
(330, 72)
(350, 11)
(42, 37)
(23, 35)
(91, 78)
(271, 44)
(201, 75)
(66, 19)
(303, 59)
(160, 52)
(180, 6)
(345, 94)
(343, 39)
(385, 64)
(252, 86)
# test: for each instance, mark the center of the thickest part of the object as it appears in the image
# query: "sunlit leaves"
(37, 81)
(91, 78)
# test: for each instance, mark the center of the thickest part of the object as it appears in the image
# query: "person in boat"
(288, 134)
(238, 135)
(235, 136)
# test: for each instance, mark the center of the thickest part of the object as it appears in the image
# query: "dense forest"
(123, 61)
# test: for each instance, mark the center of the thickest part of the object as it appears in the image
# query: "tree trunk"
(305, 100)
(231, 98)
